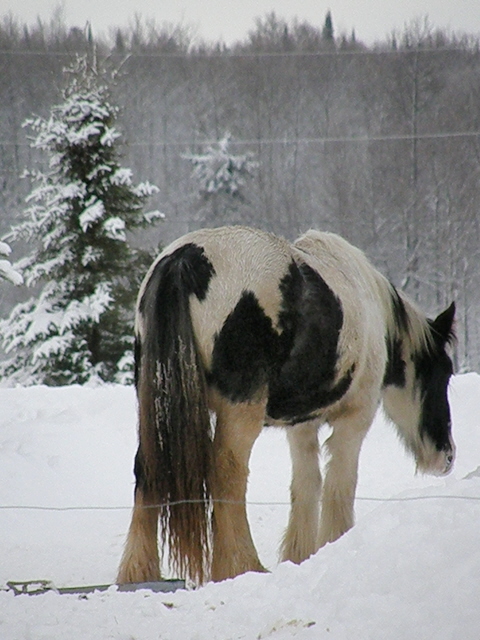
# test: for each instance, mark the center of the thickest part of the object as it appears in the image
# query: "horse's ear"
(443, 324)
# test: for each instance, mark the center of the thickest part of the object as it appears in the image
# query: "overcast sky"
(231, 20)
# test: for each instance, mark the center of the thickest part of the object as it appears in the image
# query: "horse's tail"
(173, 461)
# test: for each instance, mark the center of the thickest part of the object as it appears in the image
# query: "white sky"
(231, 20)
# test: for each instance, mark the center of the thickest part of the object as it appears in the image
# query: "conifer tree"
(79, 327)
(327, 32)
(221, 177)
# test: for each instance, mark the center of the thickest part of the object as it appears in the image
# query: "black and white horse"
(241, 324)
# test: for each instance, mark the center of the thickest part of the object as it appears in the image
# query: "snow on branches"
(7, 272)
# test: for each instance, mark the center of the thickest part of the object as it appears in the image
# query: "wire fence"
(254, 503)
(300, 140)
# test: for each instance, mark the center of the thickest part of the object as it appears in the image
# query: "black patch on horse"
(137, 353)
(174, 278)
(244, 351)
(400, 313)
(311, 319)
(298, 364)
(395, 367)
(433, 369)
(186, 270)
(139, 471)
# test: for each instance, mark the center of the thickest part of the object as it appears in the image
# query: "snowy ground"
(410, 568)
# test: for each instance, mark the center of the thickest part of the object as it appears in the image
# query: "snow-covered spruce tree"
(86, 274)
(221, 177)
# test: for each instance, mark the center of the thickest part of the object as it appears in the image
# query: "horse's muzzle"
(446, 460)
(449, 460)
(438, 463)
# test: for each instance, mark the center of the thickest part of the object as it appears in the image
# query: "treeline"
(380, 144)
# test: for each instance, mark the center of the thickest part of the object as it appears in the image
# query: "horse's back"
(295, 319)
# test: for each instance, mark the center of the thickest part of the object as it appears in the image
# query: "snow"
(7, 272)
(94, 211)
(109, 136)
(145, 189)
(122, 176)
(51, 346)
(410, 568)
(90, 255)
(5, 249)
(152, 216)
(88, 309)
(115, 228)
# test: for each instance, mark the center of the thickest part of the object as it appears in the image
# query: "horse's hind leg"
(300, 539)
(140, 560)
(237, 428)
(337, 514)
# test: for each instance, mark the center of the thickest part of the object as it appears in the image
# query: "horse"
(237, 329)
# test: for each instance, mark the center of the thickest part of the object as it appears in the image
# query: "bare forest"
(380, 144)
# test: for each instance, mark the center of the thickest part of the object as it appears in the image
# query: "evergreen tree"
(327, 32)
(221, 177)
(80, 325)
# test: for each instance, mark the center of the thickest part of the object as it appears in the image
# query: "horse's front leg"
(300, 539)
(338, 496)
(237, 428)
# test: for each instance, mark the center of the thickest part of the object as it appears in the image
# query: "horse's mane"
(410, 324)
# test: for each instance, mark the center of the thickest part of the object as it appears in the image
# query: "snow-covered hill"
(410, 568)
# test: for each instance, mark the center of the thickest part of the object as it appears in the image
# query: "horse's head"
(417, 399)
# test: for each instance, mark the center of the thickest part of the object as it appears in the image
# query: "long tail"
(174, 422)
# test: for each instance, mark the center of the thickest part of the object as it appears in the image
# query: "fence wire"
(248, 503)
